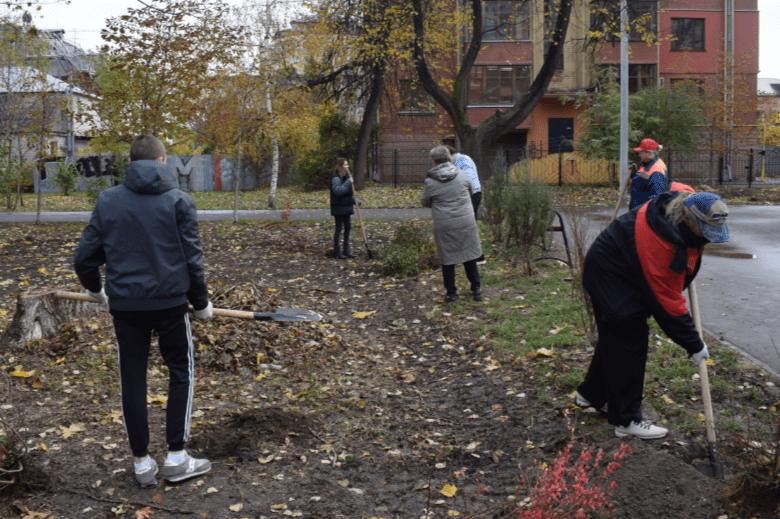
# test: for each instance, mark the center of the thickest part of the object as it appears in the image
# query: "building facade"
(710, 44)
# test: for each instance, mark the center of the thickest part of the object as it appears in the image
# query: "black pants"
(133, 336)
(342, 221)
(448, 273)
(476, 199)
(617, 371)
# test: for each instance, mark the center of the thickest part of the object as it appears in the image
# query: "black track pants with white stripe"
(133, 335)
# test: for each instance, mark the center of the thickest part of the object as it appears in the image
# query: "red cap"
(647, 145)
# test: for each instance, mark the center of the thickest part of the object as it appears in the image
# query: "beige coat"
(447, 192)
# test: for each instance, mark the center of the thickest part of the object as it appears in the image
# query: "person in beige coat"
(447, 192)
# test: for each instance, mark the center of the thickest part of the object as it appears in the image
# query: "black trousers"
(617, 371)
(345, 222)
(448, 273)
(133, 336)
(476, 199)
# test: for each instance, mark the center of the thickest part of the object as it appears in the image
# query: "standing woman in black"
(341, 202)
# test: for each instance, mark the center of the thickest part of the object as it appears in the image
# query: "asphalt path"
(738, 285)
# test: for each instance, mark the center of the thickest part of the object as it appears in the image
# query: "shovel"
(281, 314)
(709, 421)
(360, 219)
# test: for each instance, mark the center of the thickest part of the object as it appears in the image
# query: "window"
(639, 76)
(505, 20)
(688, 34)
(605, 19)
(692, 86)
(498, 84)
(414, 98)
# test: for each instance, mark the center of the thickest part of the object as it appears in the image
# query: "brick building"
(713, 44)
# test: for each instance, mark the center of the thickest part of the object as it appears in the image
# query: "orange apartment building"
(695, 40)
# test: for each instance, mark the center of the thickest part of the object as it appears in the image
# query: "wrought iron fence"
(738, 167)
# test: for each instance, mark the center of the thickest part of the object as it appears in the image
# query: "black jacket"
(146, 233)
(341, 199)
(640, 265)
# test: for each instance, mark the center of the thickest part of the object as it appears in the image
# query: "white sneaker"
(179, 467)
(642, 430)
(580, 401)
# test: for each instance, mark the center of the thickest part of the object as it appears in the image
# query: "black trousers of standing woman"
(345, 222)
(448, 273)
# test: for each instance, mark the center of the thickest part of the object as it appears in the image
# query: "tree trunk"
(274, 175)
(40, 316)
(275, 157)
(367, 124)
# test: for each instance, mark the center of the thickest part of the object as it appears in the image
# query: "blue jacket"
(648, 182)
(341, 199)
(146, 233)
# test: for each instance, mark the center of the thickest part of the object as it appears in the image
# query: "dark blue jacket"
(648, 182)
(640, 265)
(341, 199)
(146, 233)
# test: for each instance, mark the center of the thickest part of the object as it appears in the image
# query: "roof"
(31, 81)
(768, 86)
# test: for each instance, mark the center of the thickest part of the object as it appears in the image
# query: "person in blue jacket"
(145, 231)
(341, 202)
(651, 179)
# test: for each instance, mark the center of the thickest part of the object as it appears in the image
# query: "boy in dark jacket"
(145, 231)
(638, 267)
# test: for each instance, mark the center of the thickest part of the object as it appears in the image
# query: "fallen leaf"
(449, 490)
(74, 429)
(143, 513)
(236, 508)
(363, 315)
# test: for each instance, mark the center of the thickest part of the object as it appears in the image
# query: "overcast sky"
(83, 20)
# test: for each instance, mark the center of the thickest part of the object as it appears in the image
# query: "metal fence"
(739, 167)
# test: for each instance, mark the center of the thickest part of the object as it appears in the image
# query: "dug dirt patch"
(393, 406)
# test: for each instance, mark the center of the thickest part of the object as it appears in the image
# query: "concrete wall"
(195, 173)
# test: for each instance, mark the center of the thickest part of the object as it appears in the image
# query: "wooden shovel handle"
(709, 420)
(221, 312)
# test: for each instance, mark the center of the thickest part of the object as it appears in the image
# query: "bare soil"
(366, 414)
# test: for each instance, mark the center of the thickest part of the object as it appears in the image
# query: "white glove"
(703, 354)
(100, 295)
(206, 313)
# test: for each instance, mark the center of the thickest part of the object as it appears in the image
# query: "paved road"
(738, 285)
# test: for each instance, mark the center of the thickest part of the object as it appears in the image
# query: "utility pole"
(623, 95)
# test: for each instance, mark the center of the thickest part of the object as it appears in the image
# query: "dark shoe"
(476, 294)
(481, 260)
(349, 255)
(184, 466)
(449, 298)
(339, 255)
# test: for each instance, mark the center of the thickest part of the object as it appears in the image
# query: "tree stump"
(40, 315)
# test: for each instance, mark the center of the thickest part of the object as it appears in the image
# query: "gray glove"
(703, 354)
(100, 295)
(205, 313)
(346, 175)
